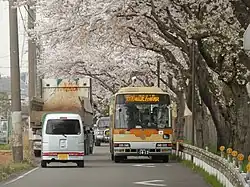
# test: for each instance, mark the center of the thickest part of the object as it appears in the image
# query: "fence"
(228, 170)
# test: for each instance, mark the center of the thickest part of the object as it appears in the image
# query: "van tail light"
(49, 154)
(76, 154)
(69, 153)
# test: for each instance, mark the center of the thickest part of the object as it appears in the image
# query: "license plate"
(63, 156)
(143, 152)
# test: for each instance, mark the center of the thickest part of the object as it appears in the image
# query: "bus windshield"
(142, 112)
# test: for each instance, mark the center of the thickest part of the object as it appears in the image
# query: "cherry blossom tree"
(111, 41)
(77, 51)
(112, 66)
(216, 32)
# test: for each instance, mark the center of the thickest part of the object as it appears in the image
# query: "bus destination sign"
(141, 98)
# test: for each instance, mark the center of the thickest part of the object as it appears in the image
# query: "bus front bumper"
(142, 152)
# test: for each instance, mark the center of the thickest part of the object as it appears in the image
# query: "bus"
(140, 124)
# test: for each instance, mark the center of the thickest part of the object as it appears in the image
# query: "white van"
(62, 139)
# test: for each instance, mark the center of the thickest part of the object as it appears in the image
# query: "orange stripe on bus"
(140, 132)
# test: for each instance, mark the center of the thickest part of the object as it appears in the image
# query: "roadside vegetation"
(6, 170)
(5, 147)
(8, 167)
(210, 179)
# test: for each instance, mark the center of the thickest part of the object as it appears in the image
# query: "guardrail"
(228, 171)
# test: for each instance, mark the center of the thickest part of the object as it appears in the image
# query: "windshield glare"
(142, 116)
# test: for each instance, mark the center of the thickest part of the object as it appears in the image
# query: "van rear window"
(65, 126)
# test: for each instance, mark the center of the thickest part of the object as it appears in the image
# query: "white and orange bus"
(140, 124)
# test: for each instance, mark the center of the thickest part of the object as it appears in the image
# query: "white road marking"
(168, 165)
(145, 165)
(151, 183)
(21, 176)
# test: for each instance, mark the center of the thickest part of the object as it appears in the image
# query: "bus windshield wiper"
(64, 135)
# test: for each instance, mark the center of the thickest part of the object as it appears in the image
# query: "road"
(100, 171)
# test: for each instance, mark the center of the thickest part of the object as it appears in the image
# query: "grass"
(210, 179)
(5, 147)
(7, 169)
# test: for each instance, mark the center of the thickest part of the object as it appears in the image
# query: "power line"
(5, 56)
(25, 30)
(29, 13)
(22, 54)
(1, 67)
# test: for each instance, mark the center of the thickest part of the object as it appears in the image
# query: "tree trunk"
(180, 115)
(240, 110)
(200, 112)
(219, 114)
(241, 11)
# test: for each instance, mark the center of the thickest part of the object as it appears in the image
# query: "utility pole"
(31, 65)
(38, 74)
(31, 53)
(193, 90)
(158, 73)
(17, 138)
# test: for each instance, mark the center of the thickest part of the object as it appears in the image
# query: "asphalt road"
(100, 171)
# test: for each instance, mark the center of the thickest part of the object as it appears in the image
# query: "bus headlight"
(163, 145)
(121, 145)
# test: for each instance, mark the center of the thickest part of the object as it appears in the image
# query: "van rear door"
(63, 135)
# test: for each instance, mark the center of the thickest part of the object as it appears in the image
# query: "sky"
(4, 39)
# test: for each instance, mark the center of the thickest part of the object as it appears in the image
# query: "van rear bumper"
(55, 158)
(63, 156)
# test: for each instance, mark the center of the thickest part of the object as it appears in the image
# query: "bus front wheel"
(117, 159)
(97, 143)
(112, 157)
(165, 159)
